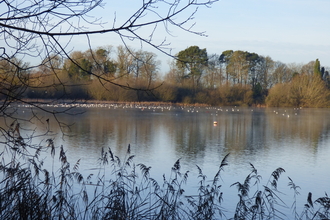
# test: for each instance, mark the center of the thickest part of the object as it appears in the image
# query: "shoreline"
(37, 102)
(100, 102)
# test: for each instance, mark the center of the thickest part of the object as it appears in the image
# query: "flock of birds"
(142, 107)
(214, 111)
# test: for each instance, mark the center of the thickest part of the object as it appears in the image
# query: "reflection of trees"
(246, 132)
(195, 134)
(188, 130)
(112, 128)
(236, 128)
(192, 134)
(115, 129)
(257, 131)
(296, 124)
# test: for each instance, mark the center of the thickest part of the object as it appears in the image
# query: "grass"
(121, 189)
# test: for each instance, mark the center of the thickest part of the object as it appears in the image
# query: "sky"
(286, 30)
(290, 31)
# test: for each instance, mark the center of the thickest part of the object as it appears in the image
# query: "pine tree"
(317, 68)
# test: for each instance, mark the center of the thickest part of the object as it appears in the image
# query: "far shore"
(56, 101)
(80, 101)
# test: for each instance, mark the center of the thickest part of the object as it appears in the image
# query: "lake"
(297, 140)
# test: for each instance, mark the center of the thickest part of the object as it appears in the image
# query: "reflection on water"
(296, 139)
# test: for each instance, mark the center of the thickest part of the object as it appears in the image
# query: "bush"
(278, 96)
(236, 95)
(302, 91)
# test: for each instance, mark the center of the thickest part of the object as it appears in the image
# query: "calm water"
(296, 140)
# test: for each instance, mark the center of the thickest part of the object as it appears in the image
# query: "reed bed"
(121, 189)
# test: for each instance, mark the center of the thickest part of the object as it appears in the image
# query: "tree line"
(124, 74)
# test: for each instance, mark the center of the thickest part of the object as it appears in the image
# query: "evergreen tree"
(192, 63)
(317, 68)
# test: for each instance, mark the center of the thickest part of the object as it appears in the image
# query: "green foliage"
(317, 68)
(79, 67)
(240, 65)
(225, 56)
(192, 62)
(258, 95)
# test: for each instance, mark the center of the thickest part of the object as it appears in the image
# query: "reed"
(121, 189)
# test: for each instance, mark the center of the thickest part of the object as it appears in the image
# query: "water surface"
(297, 140)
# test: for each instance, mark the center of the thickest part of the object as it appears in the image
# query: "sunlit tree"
(308, 91)
(238, 66)
(225, 59)
(302, 91)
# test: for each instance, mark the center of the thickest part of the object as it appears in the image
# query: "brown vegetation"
(234, 78)
(302, 91)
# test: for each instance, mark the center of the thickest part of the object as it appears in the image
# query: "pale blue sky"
(290, 31)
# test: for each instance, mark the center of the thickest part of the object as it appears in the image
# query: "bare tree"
(47, 30)
(39, 28)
